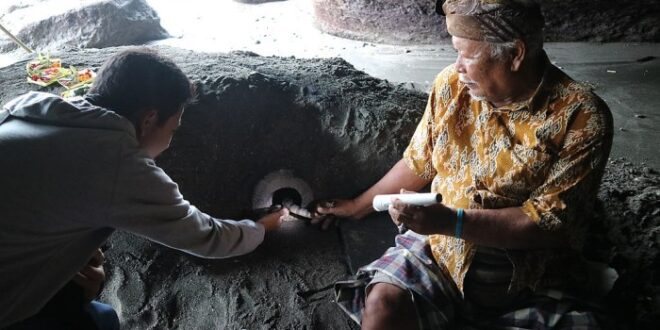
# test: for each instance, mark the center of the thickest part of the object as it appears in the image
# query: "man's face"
(487, 78)
(155, 138)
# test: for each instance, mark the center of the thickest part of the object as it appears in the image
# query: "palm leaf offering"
(45, 71)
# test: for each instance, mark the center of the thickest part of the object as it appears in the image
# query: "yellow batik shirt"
(545, 155)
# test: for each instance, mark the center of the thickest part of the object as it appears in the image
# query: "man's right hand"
(328, 212)
(274, 220)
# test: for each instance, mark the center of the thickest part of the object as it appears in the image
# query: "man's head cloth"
(496, 21)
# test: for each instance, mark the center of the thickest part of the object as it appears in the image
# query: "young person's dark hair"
(137, 79)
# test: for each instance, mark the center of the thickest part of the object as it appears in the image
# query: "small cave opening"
(287, 196)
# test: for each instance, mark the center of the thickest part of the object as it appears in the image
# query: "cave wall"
(415, 21)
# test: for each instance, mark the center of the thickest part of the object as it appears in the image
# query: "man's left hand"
(425, 220)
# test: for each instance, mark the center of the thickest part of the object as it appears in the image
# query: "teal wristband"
(459, 223)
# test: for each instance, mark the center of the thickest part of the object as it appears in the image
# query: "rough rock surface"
(388, 21)
(415, 21)
(602, 20)
(45, 25)
(339, 130)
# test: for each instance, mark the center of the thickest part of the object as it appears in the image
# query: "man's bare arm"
(399, 176)
(508, 228)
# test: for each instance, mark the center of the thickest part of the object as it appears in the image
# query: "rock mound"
(45, 25)
(415, 21)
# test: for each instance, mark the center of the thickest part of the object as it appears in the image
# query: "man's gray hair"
(500, 50)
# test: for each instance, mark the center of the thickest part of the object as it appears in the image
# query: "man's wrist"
(361, 207)
(458, 225)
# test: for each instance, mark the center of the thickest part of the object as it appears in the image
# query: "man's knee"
(388, 298)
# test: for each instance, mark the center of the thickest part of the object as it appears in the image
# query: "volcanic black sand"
(339, 130)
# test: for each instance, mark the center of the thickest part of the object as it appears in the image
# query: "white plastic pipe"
(382, 202)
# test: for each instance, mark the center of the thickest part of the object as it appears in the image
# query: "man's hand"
(274, 220)
(328, 212)
(92, 276)
(425, 220)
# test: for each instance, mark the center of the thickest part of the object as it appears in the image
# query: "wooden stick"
(16, 40)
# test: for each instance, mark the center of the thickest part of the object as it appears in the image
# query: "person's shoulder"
(574, 92)
(30, 99)
(580, 106)
(577, 99)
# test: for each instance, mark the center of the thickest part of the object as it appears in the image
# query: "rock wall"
(46, 25)
(415, 21)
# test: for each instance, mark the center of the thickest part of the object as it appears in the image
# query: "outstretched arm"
(148, 203)
(399, 176)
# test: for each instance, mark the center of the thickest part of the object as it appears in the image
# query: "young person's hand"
(92, 276)
(273, 220)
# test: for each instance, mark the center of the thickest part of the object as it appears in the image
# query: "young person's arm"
(148, 203)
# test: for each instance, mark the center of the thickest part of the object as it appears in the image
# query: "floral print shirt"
(545, 155)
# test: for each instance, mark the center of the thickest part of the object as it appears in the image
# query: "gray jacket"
(70, 174)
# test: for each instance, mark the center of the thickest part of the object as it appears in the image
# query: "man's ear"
(518, 55)
(148, 120)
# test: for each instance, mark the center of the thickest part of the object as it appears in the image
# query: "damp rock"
(414, 21)
(49, 25)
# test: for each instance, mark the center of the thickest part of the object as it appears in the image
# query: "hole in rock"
(287, 197)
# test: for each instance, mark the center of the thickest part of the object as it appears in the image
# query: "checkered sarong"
(410, 265)
(439, 304)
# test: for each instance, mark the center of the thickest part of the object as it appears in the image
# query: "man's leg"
(403, 289)
(389, 307)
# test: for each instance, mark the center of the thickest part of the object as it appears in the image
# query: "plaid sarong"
(440, 305)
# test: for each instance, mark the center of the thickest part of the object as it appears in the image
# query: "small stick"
(16, 40)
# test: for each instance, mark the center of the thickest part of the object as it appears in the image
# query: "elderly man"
(517, 149)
